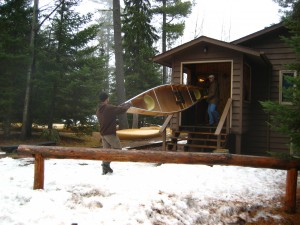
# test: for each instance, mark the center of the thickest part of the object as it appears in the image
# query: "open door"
(196, 74)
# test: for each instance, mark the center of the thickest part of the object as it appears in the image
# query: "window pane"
(285, 84)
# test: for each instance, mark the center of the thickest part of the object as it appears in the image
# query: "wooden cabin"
(248, 70)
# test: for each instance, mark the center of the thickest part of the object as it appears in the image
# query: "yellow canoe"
(141, 133)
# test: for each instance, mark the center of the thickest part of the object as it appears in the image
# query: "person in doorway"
(107, 118)
(212, 98)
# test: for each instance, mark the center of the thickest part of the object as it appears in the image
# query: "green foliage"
(174, 31)
(285, 118)
(51, 135)
(292, 21)
(171, 14)
(174, 11)
(14, 47)
(70, 70)
(139, 37)
(288, 4)
(69, 65)
(86, 129)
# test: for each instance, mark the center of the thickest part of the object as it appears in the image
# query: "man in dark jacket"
(212, 99)
(107, 115)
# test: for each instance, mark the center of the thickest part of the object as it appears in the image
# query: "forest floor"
(68, 139)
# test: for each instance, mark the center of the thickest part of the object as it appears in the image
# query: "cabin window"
(247, 83)
(284, 84)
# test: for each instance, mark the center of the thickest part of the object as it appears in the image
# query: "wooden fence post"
(39, 167)
(291, 190)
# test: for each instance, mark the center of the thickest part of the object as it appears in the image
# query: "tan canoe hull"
(165, 100)
(140, 133)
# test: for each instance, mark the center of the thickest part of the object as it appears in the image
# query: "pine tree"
(26, 120)
(139, 38)
(171, 27)
(119, 61)
(14, 46)
(70, 70)
(106, 43)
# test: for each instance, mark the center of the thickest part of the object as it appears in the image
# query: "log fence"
(40, 153)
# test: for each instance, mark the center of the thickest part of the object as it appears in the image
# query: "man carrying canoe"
(107, 116)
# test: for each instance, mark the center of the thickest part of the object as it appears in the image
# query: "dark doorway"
(196, 74)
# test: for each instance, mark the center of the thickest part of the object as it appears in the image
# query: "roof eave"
(258, 33)
(164, 58)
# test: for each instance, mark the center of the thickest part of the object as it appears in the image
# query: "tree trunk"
(59, 52)
(164, 41)
(123, 122)
(6, 126)
(26, 131)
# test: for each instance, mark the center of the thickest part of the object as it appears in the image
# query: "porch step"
(198, 138)
(197, 132)
(195, 146)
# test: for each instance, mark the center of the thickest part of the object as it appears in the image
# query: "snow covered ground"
(136, 193)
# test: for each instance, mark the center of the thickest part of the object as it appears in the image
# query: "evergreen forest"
(54, 59)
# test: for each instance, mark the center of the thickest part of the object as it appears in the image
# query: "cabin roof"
(260, 33)
(166, 57)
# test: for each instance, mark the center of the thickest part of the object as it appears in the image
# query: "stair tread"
(195, 139)
(198, 132)
(199, 127)
(194, 145)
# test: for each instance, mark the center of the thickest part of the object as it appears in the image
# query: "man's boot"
(106, 169)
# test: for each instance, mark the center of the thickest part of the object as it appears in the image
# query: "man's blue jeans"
(213, 113)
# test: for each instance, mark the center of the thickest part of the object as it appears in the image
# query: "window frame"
(283, 73)
(247, 83)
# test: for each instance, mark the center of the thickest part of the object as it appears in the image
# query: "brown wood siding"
(176, 73)
(261, 139)
(246, 117)
(236, 95)
(175, 79)
(255, 130)
(277, 142)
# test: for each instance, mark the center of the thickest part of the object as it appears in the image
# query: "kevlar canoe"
(140, 133)
(165, 100)
(132, 134)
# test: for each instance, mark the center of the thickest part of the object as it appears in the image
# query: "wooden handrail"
(225, 116)
(164, 126)
(163, 131)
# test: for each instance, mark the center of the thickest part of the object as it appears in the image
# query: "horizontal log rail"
(42, 152)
